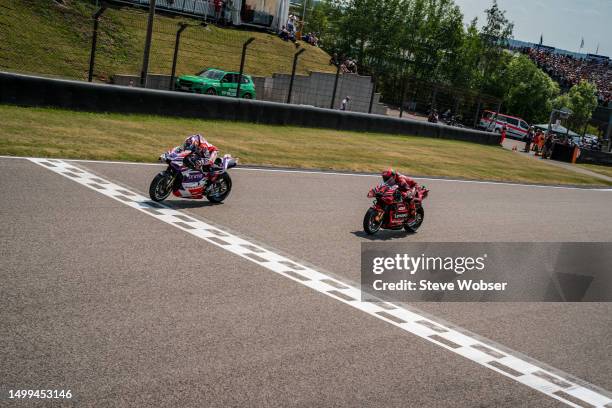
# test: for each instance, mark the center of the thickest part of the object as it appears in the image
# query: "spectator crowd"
(347, 65)
(568, 71)
(289, 32)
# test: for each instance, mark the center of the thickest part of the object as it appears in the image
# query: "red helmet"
(387, 174)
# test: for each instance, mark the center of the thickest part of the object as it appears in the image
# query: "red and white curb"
(525, 371)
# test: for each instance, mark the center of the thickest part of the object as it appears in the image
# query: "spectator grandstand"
(569, 70)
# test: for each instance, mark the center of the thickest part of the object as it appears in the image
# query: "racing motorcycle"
(389, 211)
(184, 182)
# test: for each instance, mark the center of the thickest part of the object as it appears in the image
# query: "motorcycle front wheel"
(370, 225)
(161, 186)
(220, 189)
(414, 224)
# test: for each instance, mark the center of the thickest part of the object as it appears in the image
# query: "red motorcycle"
(391, 212)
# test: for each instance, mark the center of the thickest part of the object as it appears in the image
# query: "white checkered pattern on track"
(508, 364)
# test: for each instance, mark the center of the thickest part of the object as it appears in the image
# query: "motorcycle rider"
(405, 185)
(201, 154)
(433, 116)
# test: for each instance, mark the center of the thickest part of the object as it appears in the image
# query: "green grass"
(43, 37)
(69, 134)
(605, 170)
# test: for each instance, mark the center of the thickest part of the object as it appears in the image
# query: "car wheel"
(247, 96)
(211, 91)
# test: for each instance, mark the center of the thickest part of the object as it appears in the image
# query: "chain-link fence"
(451, 105)
(104, 42)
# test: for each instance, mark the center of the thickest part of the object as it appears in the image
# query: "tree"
(528, 91)
(464, 71)
(582, 102)
(318, 18)
(561, 102)
(494, 36)
(422, 39)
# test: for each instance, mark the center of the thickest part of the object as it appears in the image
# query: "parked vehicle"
(454, 120)
(184, 182)
(389, 211)
(516, 128)
(217, 82)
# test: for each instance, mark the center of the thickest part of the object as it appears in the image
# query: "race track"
(127, 310)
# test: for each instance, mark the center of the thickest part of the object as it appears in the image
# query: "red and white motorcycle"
(184, 182)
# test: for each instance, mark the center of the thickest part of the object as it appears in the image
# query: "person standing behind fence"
(537, 141)
(503, 135)
(534, 144)
(528, 139)
(547, 149)
(541, 141)
(218, 10)
(344, 103)
(291, 23)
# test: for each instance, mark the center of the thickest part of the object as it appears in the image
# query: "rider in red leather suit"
(405, 185)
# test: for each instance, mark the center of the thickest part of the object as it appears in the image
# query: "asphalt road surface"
(126, 310)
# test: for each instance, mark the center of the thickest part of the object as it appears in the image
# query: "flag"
(541, 38)
(582, 43)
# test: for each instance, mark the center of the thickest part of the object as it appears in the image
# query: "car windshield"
(211, 74)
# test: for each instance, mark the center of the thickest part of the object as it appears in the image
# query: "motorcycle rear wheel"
(413, 225)
(221, 189)
(161, 187)
(370, 225)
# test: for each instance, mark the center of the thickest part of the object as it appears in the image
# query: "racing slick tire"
(414, 224)
(223, 187)
(161, 186)
(211, 91)
(370, 226)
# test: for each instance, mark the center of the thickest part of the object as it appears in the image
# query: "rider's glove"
(397, 195)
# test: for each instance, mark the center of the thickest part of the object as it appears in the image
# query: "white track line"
(347, 174)
(530, 373)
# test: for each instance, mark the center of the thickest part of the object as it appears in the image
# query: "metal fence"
(456, 106)
(106, 44)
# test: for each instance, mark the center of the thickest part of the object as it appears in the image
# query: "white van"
(516, 128)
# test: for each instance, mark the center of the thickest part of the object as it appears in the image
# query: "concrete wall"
(315, 89)
(154, 81)
(27, 90)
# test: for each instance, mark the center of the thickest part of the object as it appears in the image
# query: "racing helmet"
(195, 143)
(387, 174)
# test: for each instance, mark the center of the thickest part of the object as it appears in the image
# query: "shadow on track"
(383, 235)
(186, 204)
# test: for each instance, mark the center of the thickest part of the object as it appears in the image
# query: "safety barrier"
(592, 157)
(28, 90)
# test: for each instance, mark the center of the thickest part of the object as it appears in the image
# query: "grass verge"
(45, 37)
(98, 136)
(605, 170)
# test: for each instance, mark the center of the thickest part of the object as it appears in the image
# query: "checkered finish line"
(557, 385)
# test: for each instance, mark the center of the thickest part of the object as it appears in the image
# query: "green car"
(217, 82)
